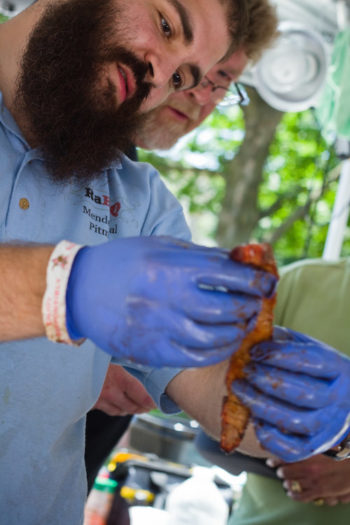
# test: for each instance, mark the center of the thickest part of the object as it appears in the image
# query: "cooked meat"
(235, 416)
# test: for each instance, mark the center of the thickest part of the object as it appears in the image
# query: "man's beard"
(154, 133)
(70, 111)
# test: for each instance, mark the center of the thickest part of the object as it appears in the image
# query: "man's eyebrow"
(196, 75)
(185, 20)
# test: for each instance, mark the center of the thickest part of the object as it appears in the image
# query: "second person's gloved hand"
(151, 300)
(298, 391)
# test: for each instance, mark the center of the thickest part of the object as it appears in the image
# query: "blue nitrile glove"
(298, 390)
(140, 299)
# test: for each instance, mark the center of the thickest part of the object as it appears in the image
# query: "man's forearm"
(22, 286)
(200, 392)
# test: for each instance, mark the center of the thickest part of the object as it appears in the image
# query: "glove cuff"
(54, 300)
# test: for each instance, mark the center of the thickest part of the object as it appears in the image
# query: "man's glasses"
(225, 96)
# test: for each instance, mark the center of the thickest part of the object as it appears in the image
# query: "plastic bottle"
(100, 501)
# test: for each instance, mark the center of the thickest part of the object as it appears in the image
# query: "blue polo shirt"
(47, 388)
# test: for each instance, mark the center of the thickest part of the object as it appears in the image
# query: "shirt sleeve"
(165, 214)
(155, 381)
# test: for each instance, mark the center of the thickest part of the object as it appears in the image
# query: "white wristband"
(54, 301)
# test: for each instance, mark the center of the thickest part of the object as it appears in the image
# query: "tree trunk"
(240, 211)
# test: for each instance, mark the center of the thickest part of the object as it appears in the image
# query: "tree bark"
(240, 210)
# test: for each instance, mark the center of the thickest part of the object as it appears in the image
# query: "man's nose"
(201, 94)
(158, 75)
(160, 71)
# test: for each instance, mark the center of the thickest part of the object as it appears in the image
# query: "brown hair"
(261, 30)
(238, 20)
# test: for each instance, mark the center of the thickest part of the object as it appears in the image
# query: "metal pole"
(340, 216)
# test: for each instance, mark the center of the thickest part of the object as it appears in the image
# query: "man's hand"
(298, 391)
(123, 394)
(163, 302)
(315, 478)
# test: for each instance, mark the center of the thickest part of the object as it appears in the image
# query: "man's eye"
(223, 78)
(222, 74)
(165, 27)
(177, 80)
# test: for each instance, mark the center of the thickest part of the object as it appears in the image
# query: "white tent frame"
(340, 215)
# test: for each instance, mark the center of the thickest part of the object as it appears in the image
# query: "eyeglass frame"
(243, 99)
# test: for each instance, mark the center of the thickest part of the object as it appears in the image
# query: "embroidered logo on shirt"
(103, 199)
(106, 219)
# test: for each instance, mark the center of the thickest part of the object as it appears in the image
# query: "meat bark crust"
(234, 415)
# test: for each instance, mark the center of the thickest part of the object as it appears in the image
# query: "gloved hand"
(151, 300)
(298, 391)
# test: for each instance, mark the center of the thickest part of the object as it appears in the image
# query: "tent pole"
(340, 216)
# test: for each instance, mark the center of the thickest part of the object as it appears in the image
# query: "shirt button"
(24, 203)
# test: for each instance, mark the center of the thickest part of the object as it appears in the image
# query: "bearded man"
(74, 78)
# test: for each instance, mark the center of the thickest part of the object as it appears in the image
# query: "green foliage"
(194, 170)
(297, 169)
